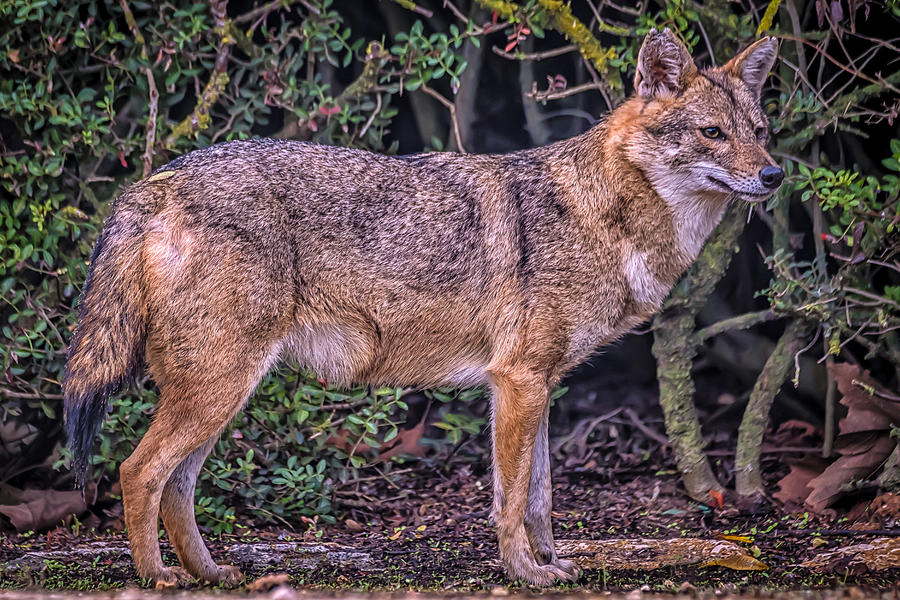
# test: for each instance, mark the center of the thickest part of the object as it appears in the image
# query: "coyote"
(419, 271)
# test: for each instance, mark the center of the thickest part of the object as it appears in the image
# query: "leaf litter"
(619, 511)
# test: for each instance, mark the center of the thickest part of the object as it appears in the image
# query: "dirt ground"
(428, 531)
(619, 511)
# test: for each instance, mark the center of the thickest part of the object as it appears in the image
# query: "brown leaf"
(861, 455)
(743, 539)
(858, 387)
(794, 487)
(864, 442)
(43, 509)
(354, 525)
(407, 443)
(267, 582)
(793, 432)
(346, 441)
(742, 562)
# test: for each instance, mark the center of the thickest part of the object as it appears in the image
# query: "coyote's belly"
(407, 347)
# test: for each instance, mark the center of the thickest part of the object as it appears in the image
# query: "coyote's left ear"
(664, 66)
(753, 64)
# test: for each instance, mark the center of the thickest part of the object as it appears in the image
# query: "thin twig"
(269, 7)
(151, 121)
(410, 5)
(371, 118)
(536, 56)
(632, 416)
(744, 321)
(548, 94)
(8, 393)
(199, 118)
(797, 356)
(452, 108)
(871, 296)
(153, 99)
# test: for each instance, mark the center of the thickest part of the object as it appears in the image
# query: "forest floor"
(428, 531)
(619, 510)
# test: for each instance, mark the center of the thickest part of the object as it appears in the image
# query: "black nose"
(771, 177)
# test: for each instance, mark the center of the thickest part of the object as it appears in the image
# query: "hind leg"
(177, 510)
(537, 512)
(195, 404)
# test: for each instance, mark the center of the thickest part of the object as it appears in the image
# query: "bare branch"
(535, 55)
(199, 118)
(150, 143)
(550, 94)
(268, 7)
(452, 108)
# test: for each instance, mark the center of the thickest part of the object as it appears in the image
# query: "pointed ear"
(664, 66)
(752, 65)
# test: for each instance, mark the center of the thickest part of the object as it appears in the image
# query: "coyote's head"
(702, 131)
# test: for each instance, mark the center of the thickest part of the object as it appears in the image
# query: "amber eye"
(713, 133)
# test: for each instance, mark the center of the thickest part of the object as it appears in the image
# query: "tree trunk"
(748, 481)
(674, 347)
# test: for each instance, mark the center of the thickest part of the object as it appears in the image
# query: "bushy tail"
(109, 339)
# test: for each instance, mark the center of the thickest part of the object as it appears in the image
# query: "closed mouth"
(728, 188)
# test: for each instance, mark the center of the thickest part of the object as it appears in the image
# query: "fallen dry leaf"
(864, 442)
(859, 389)
(744, 562)
(794, 487)
(407, 443)
(862, 454)
(743, 539)
(354, 525)
(267, 582)
(39, 510)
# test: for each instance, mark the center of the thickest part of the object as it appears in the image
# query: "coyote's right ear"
(664, 66)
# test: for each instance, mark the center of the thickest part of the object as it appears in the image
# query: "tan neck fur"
(619, 184)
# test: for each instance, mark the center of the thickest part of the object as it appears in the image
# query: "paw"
(557, 571)
(542, 548)
(552, 574)
(171, 578)
(226, 575)
(570, 571)
(544, 556)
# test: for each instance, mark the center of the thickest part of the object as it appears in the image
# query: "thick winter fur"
(418, 271)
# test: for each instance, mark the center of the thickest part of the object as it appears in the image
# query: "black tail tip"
(82, 423)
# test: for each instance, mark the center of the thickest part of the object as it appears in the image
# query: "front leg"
(519, 404)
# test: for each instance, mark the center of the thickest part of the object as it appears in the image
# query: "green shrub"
(95, 94)
(75, 95)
